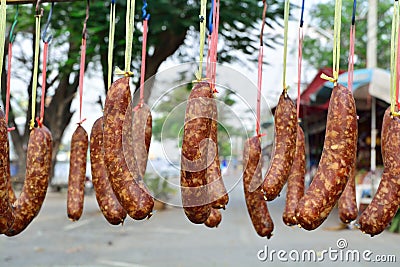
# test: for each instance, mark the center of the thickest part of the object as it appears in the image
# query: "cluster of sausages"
(202, 188)
(119, 146)
(17, 213)
(335, 172)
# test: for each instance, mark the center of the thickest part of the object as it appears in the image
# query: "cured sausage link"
(33, 193)
(77, 173)
(214, 219)
(6, 216)
(383, 207)
(284, 147)
(194, 162)
(124, 178)
(218, 194)
(336, 162)
(295, 183)
(252, 182)
(108, 202)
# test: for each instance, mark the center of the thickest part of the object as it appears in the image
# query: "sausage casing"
(6, 216)
(214, 219)
(142, 131)
(77, 173)
(194, 162)
(252, 183)
(284, 147)
(383, 207)
(347, 204)
(118, 144)
(108, 202)
(336, 162)
(295, 183)
(218, 196)
(33, 193)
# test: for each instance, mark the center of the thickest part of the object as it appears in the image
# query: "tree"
(317, 48)
(173, 31)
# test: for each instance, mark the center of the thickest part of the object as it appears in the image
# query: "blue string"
(210, 18)
(145, 15)
(353, 18)
(113, 1)
(46, 27)
(302, 14)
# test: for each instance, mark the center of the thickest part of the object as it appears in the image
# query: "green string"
(130, 21)
(111, 43)
(202, 37)
(285, 39)
(336, 44)
(3, 19)
(393, 56)
(35, 70)
(336, 40)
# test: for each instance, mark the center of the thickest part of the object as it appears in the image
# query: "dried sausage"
(77, 173)
(252, 182)
(108, 203)
(142, 131)
(6, 216)
(295, 183)
(33, 193)
(214, 219)
(380, 212)
(194, 162)
(285, 147)
(118, 150)
(218, 196)
(347, 204)
(337, 159)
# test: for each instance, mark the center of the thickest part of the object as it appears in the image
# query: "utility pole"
(372, 63)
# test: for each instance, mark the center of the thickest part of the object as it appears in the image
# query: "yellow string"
(393, 56)
(202, 37)
(336, 44)
(130, 21)
(285, 39)
(3, 18)
(111, 43)
(35, 70)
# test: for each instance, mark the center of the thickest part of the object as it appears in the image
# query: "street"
(169, 239)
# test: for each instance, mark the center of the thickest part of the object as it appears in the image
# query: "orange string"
(213, 49)
(260, 63)
(81, 75)
(8, 80)
(351, 58)
(43, 98)
(299, 65)
(398, 72)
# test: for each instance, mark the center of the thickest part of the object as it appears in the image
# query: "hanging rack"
(19, 2)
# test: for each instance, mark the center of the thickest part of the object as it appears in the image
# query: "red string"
(299, 65)
(143, 67)
(8, 80)
(398, 72)
(260, 63)
(351, 58)
(213, 49)
(43, 98)
(81, 75)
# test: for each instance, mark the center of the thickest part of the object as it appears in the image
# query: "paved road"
(169, 239)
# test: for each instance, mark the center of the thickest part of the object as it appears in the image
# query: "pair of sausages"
(336, 164)
(119, 152)
(380, 212)
(106, 199)
(202, 187)
(17, 213)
